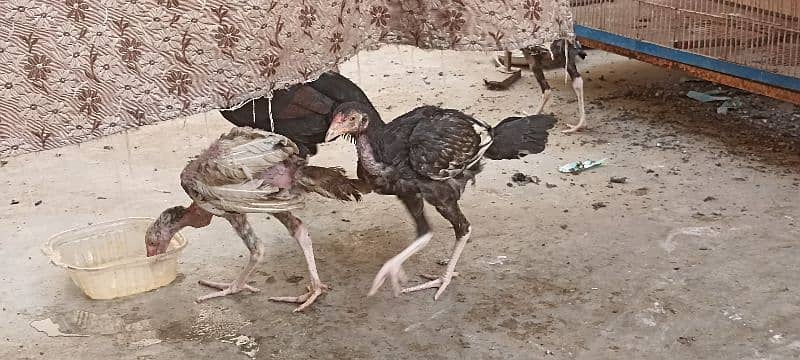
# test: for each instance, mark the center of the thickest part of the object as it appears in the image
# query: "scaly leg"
(300, 233)
(393, 269)
(256, 247)
(535, 64)
(462, 230)
(441, 282)
(545, 99)
(577, 86)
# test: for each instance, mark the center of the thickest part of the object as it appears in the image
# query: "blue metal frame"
(740, 71)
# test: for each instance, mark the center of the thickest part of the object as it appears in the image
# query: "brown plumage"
(251, 171)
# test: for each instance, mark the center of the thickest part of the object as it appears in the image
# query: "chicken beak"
(336, 129)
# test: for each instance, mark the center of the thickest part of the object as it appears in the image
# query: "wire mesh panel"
(763, 34)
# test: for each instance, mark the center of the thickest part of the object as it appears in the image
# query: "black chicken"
(430, 154)
(302, 112)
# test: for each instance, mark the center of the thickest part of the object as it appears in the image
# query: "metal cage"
(756, 40)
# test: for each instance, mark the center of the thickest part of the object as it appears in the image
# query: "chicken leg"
(393, 269)
(256, 247)
(577, 86)
(534, 60)
(462, 230)
(300, 233)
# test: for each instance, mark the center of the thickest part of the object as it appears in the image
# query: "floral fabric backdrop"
(71, 70)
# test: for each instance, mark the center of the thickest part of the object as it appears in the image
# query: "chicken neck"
(365, 147)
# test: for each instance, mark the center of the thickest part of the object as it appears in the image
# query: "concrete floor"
(695, 257)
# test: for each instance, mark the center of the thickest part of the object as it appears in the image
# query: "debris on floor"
(599, 205)
(579, 166)
(246, 344)
(500, 260)
(52, 329)
(505, 84)
(669, 244)
(707, 96)
(618, 179)
(522, 179)
(294, 279)
(729, 105)
(686, 79)
(145, 343)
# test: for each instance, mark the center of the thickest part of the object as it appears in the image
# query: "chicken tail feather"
(330, 182)
(516, 137)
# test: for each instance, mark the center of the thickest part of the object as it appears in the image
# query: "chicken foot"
(577, 86)
(393, 271)
(442, 281)
(256, 247)
(450, 211)
(300, 233)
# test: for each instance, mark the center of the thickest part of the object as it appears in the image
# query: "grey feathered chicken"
(251, 171)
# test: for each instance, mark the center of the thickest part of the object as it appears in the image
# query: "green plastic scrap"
(728, 103)
(578, 166)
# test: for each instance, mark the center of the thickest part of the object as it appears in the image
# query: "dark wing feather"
(444, 143)
(303, 101)
(339, 88)
(302, 112)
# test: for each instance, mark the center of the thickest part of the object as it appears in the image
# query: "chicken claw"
(225, 289)
(393, 270)
(304, 300)
(439, 282)
(581, 125)
(572, 129)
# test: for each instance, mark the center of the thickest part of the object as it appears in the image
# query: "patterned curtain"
(72, 70)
